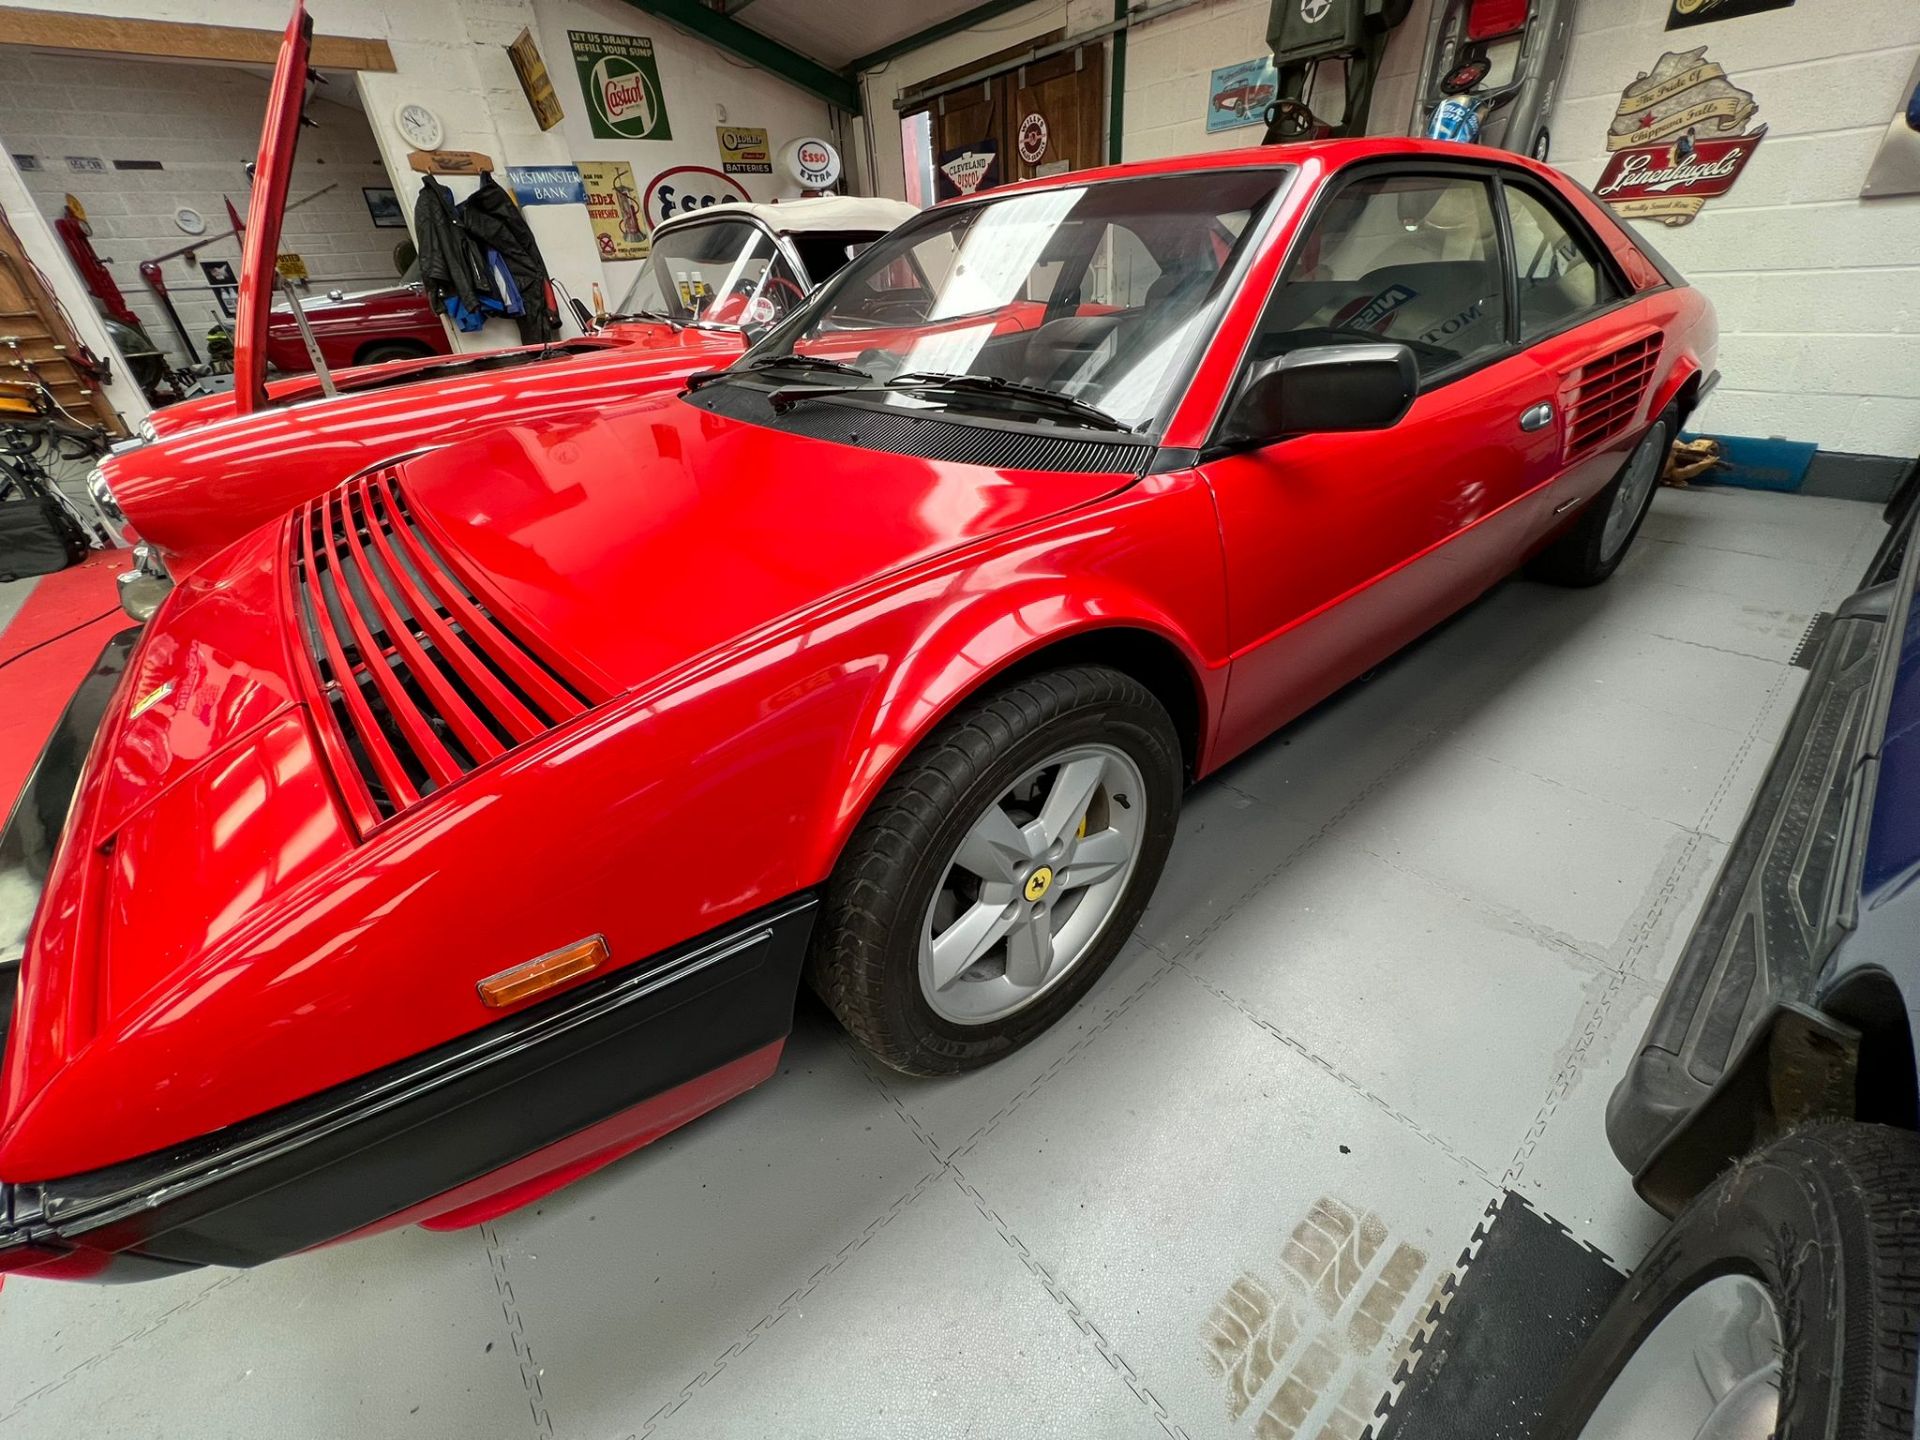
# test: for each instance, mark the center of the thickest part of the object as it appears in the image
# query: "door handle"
(1538, 418)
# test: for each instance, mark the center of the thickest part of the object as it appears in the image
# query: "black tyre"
(1783, 1302)
(1000, 871)
(1542, 145)
(1595, 544)
(393, 350)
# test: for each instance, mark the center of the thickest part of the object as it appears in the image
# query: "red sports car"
(216, 467)
(368, 327)
(475, 824)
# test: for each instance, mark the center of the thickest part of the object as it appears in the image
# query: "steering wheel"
(776, 297)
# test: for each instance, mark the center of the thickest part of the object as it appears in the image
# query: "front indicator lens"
(548, 972)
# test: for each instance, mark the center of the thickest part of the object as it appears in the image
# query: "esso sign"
(688, 187)
(812, 162)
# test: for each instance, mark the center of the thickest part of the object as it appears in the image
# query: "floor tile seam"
(1076, 1314)
(1332, 1070)
(530, 1380)
(100, 1356)
(779, 1312)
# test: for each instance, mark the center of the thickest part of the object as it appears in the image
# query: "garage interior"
(1325, 1151)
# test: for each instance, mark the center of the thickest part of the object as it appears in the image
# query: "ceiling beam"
(756, 49)
(965, 20)
(129, 38)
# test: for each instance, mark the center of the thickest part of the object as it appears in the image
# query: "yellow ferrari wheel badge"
(1039, 883)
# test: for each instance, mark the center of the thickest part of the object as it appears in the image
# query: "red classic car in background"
(474, 824)
(367, 327)
(215, 467)
(1243, 99)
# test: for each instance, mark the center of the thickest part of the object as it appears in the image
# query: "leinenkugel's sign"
(1678, 140)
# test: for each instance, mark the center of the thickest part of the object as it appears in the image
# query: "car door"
(1581, 326)
(1342, 547)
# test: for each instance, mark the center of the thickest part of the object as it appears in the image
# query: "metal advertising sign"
(1678, 140)
(1701, 12)
(546, 185)
(687, 187)
(613, 207)
(621, 82)
(1033, 138)
(1239, 94)
(534, 80)
(968, 168)
(744, 151)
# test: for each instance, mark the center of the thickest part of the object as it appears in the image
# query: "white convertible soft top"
(818, 212)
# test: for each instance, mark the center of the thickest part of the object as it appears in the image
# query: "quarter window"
(1412, 258)
(1560, 280)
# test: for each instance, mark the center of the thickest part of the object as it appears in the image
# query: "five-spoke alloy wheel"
(1000, 870)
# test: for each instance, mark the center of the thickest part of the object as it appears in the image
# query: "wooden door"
(970, 149)
(1058, 116)
(1055, 106)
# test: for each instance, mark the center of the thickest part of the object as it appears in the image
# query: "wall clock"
(419, 126)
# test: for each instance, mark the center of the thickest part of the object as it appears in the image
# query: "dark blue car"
(1772, 1105)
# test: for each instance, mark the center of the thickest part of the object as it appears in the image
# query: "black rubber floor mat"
(1521, 1301)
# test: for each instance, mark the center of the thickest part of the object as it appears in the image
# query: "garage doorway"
(137, 178)
(1043, 117)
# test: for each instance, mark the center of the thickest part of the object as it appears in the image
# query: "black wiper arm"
(919, 383)
(805, 362)
(654, 315)
(781, 398)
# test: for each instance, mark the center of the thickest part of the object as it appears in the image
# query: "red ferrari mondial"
(477, 824)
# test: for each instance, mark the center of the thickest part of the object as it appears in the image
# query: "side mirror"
(1325, 388)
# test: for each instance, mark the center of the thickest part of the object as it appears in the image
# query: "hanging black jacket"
(491, 218)
(450, 262)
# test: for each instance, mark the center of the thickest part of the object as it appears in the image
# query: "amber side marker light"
(549, 972)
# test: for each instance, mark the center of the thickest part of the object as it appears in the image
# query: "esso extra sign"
(812, 162)
(688, 187)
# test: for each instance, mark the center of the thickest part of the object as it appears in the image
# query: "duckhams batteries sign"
(744, 151)
(621, 82)
(1679, 139)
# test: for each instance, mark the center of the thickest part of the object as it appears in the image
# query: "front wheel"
(1596, 542)
(1000, 871)
(1781, 1305)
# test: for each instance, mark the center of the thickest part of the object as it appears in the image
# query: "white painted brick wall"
(202, 123)
(1818, 291)
(451, 56)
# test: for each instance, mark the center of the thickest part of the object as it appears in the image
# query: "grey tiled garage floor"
(1398, 959)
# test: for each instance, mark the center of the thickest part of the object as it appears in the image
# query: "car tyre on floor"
(1001, 870)
(1784, 1301)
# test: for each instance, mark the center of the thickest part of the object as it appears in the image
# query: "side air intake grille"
(929, 437)
(415, 683)
(1608, 394)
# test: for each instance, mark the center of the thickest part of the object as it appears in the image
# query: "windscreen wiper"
(917, 383)
(653, 315)
(780, 398)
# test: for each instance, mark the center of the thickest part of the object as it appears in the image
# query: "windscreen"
(1099, 293)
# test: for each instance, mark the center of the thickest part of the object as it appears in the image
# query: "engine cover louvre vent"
(414, 682)
(1608, 394)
